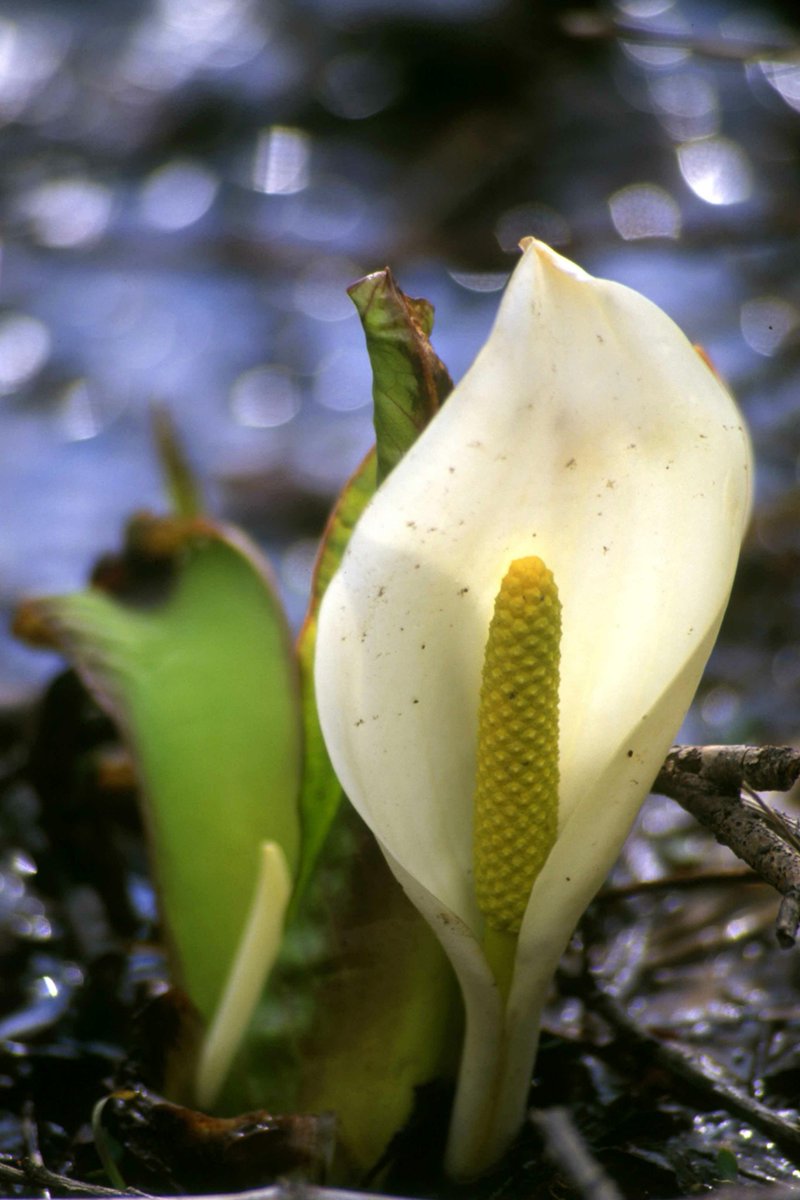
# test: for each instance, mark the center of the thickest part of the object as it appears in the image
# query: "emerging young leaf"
(409, 382)
(183, 487)
(362, 992)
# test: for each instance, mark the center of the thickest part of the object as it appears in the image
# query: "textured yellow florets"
(516, 795)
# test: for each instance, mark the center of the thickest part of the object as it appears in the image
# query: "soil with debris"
(670, 1048)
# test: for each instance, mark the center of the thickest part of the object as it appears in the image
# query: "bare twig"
(773, 1191)
(670, 883)
(289, 1190)
(298, 1191)
(708, 781)
(765, 768)
(593, 26)
(33, 1162)
(568, 1151)
(35, 1174)
(700, 1071)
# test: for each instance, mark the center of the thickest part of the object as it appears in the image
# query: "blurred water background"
(187, 187)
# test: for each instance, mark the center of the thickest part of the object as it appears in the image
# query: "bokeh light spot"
(178, 194)
(81, 415)
(343, 381)
(24, 349)
(654, 55)
(282, 161)
(717, 170)
(355, 86)
(30, 55)
(720, 707)
(265, 397)
(644, 210)
(687, 104)
(786, 667)
(767, 322)
(180, 38)
(643, 10)
(328, 210)
(784, 77)
(480, 281)
(321, 291)
(67, 212)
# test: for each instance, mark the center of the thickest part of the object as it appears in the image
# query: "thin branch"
(765, 768)
(35, 1174)
(566, 1148)
(670, 883)
(772, 1191)
(290, 1190)
(701, 1072)
(708, 781)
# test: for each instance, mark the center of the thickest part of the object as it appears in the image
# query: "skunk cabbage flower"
(515, 633)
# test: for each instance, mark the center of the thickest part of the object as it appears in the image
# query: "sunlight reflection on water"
(190, 185)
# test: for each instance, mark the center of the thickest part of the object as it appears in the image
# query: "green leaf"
(180, 481)
(321, 792)
(409, 382)
(362, 1008)
(727, 1166)
(204, 689)
(388, 1018)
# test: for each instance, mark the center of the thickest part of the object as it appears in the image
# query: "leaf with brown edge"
(410, 382)
(157, 1141)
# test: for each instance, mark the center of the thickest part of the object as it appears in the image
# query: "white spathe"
(591, 433)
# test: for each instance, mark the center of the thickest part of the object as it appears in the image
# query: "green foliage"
(409, 382)
(361, 1006)
(184, 490)
(727, 1166)
(204, 689)
(409, 385)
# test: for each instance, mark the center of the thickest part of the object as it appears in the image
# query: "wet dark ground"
(672, 1037)
(187, 187)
